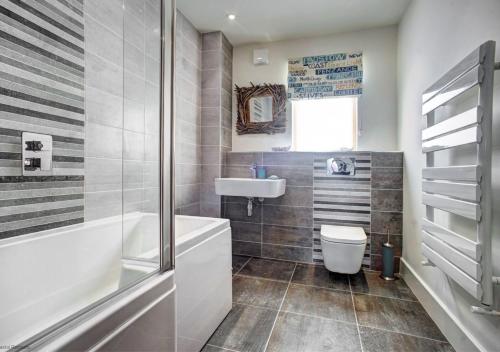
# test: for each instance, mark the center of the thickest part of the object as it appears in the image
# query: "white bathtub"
(48, 276)
(203, 278)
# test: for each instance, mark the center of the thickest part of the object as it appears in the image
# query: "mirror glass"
(261, 109)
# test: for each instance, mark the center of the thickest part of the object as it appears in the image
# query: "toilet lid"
(343, 234)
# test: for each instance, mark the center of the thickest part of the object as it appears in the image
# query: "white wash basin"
(250, 187)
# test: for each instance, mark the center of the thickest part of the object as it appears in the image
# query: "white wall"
(433, 36)
(377, 106)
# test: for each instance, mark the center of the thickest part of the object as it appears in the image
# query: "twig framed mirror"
(261, 109)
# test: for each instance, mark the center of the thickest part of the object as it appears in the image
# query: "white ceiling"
(260, 21)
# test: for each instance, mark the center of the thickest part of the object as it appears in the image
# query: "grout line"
(355, 315)
(258, 278)
(279, 309)
(296, 313)
(404, 333)
(236, 273)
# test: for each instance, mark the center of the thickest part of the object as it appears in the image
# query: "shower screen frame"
(166, 189)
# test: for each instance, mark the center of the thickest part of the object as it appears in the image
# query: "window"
(324, 124)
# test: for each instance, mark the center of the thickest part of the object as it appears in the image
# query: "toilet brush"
(388, 259)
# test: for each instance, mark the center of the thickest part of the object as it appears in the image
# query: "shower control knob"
(32, 163)
(34, 146)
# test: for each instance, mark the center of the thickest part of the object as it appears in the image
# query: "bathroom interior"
(190, 175)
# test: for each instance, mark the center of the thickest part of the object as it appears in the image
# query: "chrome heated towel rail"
(463, 190)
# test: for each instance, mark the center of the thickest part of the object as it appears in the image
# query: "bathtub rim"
(38, 235)
(186, 241)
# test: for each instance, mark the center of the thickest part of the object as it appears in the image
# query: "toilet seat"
(343, 234)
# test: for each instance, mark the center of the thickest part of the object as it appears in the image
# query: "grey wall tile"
(387, 200)
(288, 158)
(383, 159)
(191, 210)
(133, 145)
(212, 41)
(211, 98)
(299, 254)
(134, 27)
(134, 60)
(102, 174)
(247, 248)
(294, 175)
(211, 135)
(209, 173)
(211, 155)
(287, 216)
(187, 174)
(225, 99)
(210, 116)
(132, 174)
(387, 178)
(211, 59)
(243, 158)
(213, 210)
(294, 196)
(187, 132)
(103, 141)
(237, 171)
(381, 220)
(227, 118)
(103, 42)
(226, 137)
(208, 193)
(245, 231)
(103, 108)
(286, 235)
(133, 115)
(238, 212)
(211, 79)
(108, 12)
(100, 205)
(187, 194)
(103, 75)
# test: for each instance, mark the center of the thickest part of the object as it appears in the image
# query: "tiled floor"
(289, 307)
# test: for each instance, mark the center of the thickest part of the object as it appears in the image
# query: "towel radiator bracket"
(484, 311)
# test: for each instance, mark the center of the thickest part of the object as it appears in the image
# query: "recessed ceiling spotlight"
(231, 17)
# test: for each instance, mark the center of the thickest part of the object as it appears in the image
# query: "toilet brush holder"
(388, 262)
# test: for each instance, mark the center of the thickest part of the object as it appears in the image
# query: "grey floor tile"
(395, 315)
(238, 262)
(318, 275)
(375, 340)
(268, 269)
(258, 292)
(299, 333)
(245, 329)
(320, 302)
(370, 282)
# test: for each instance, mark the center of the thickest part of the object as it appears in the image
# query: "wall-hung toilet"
(343, 248)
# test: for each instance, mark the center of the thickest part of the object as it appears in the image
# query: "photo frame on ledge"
(261, 109)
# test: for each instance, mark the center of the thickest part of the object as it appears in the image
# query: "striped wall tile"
(341, 200)
(41, 91)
